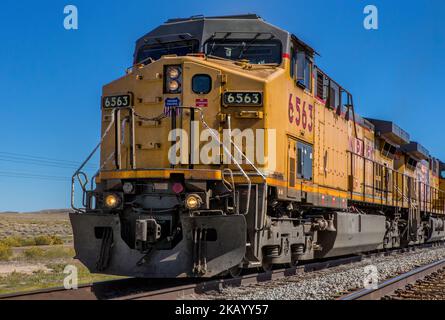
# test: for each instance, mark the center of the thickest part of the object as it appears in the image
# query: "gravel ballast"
(330, 283)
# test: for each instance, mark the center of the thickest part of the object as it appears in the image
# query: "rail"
(171, 289)
(390, 286)
(168, 289)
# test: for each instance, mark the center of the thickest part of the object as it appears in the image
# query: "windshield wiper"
(247, 47)
(223, 40)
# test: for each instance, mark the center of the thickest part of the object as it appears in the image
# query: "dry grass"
(20, 282)
(44, 240)
(5, 252)
(47, 254)
(34, 251)
(25, 226)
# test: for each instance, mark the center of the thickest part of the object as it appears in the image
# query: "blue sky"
(51, 79)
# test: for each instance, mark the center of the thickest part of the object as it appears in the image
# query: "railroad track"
(432, 287)
(168, 289)
(173, 289)
(426, 282)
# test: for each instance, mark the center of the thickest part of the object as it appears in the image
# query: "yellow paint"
(160, 174)
(329, 134)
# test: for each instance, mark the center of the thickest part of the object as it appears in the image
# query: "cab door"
(291, 168)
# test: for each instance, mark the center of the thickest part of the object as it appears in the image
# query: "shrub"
(43, 240)
(47, 240)
(16, 242)
(5, 252)
(34, 253)
(59, 253)
(56, 240)
(28, 242)
(12, 242)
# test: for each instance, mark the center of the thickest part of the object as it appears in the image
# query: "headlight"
(112, 201)
(193, 202)
(173, 79)
(173, 85)
(173, 73)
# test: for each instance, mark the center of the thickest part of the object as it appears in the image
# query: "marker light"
(193, 202)
(178, 188)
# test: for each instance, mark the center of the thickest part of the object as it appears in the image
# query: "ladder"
(413, 211)
(230, 155)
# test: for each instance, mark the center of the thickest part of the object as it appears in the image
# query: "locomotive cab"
(175, 195)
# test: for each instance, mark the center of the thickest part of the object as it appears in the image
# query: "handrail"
(249, 182)
(83, 178)
(410, 201)
(79, 172)
(238, 165)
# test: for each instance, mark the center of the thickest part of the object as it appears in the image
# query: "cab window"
(255, 51)
(156, 51)
(304, 70)
(293, 62)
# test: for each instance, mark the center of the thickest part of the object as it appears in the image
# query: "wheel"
(267, 266)
(235, 272)
(294, 263)
(288, 265)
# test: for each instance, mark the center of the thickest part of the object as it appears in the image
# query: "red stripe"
(286, 55)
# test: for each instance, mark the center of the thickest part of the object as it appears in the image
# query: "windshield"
(156, 51)
(256, 51)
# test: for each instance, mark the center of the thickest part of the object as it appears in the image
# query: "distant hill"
(49, 211)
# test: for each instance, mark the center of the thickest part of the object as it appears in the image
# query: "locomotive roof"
(249, 26)
(417, 150)
(391, 131)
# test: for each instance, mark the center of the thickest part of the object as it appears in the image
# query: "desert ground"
(35, 248)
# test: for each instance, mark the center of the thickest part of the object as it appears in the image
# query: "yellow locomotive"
(226, 148)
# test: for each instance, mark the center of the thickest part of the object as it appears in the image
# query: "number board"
(243, 99)
(119, 101)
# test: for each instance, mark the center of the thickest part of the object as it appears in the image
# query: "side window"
(304, 161)
(304, 70)
(293, 62)
(388, 150)
(411, 164)
(320, 85)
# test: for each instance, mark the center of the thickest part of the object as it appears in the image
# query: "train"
(224, 147)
